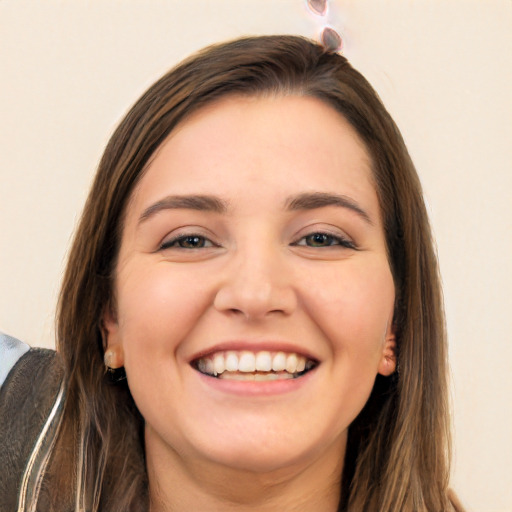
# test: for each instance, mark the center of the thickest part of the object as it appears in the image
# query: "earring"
(115, 370)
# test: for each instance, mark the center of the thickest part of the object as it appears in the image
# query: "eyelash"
(332, 240)
(174, 242)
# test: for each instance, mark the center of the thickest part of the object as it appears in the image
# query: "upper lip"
(254, 346)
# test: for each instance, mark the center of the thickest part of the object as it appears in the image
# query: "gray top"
(11, 350)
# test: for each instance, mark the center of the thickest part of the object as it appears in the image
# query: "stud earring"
(115, 370)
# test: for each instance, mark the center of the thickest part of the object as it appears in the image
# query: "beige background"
(69, 70)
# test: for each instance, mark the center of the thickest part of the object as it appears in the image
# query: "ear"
(114, 355)
(387, 364)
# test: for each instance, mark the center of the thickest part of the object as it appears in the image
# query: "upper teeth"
(247, 361)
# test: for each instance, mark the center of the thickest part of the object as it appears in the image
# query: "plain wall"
(69, 70)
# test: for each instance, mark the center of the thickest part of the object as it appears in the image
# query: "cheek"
(157, 306)
(354, 312)
(354, 307)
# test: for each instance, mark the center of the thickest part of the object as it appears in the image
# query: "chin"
(248, 450)
(260, 463)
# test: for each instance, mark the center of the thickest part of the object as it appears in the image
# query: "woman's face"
(253, 295)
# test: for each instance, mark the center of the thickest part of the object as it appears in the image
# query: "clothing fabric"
(31, 403)
(11, 350)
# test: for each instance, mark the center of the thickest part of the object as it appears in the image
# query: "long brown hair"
(398, 448)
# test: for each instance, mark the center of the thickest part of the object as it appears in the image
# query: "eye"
(324, 240)
(187, 242)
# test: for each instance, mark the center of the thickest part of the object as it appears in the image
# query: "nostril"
(254, 300)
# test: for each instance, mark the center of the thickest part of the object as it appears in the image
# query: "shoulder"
(26, 372)
(11, 350)
(16, 355)
(31, 380)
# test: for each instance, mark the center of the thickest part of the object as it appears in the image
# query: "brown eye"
(187, 242)
(320, 240)
(192, 242)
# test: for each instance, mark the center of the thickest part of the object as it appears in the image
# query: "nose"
(256, 284)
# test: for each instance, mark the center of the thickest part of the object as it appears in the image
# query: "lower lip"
(256, 388)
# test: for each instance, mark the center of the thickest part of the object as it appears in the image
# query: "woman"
(255, 257)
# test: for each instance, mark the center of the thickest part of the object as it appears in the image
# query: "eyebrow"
(189, 202)
(313, 200)
(304, 201)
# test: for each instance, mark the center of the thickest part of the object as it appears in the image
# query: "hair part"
(398, 450)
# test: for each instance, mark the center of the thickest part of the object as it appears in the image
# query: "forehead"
(287, 142)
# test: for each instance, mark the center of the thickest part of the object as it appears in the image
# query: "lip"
(254, 346)
(250, 388)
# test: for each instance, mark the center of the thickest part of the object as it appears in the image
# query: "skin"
(256, 278)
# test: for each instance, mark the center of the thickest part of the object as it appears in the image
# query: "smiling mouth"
(259, 366)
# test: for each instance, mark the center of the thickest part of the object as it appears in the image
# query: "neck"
(180, 485)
